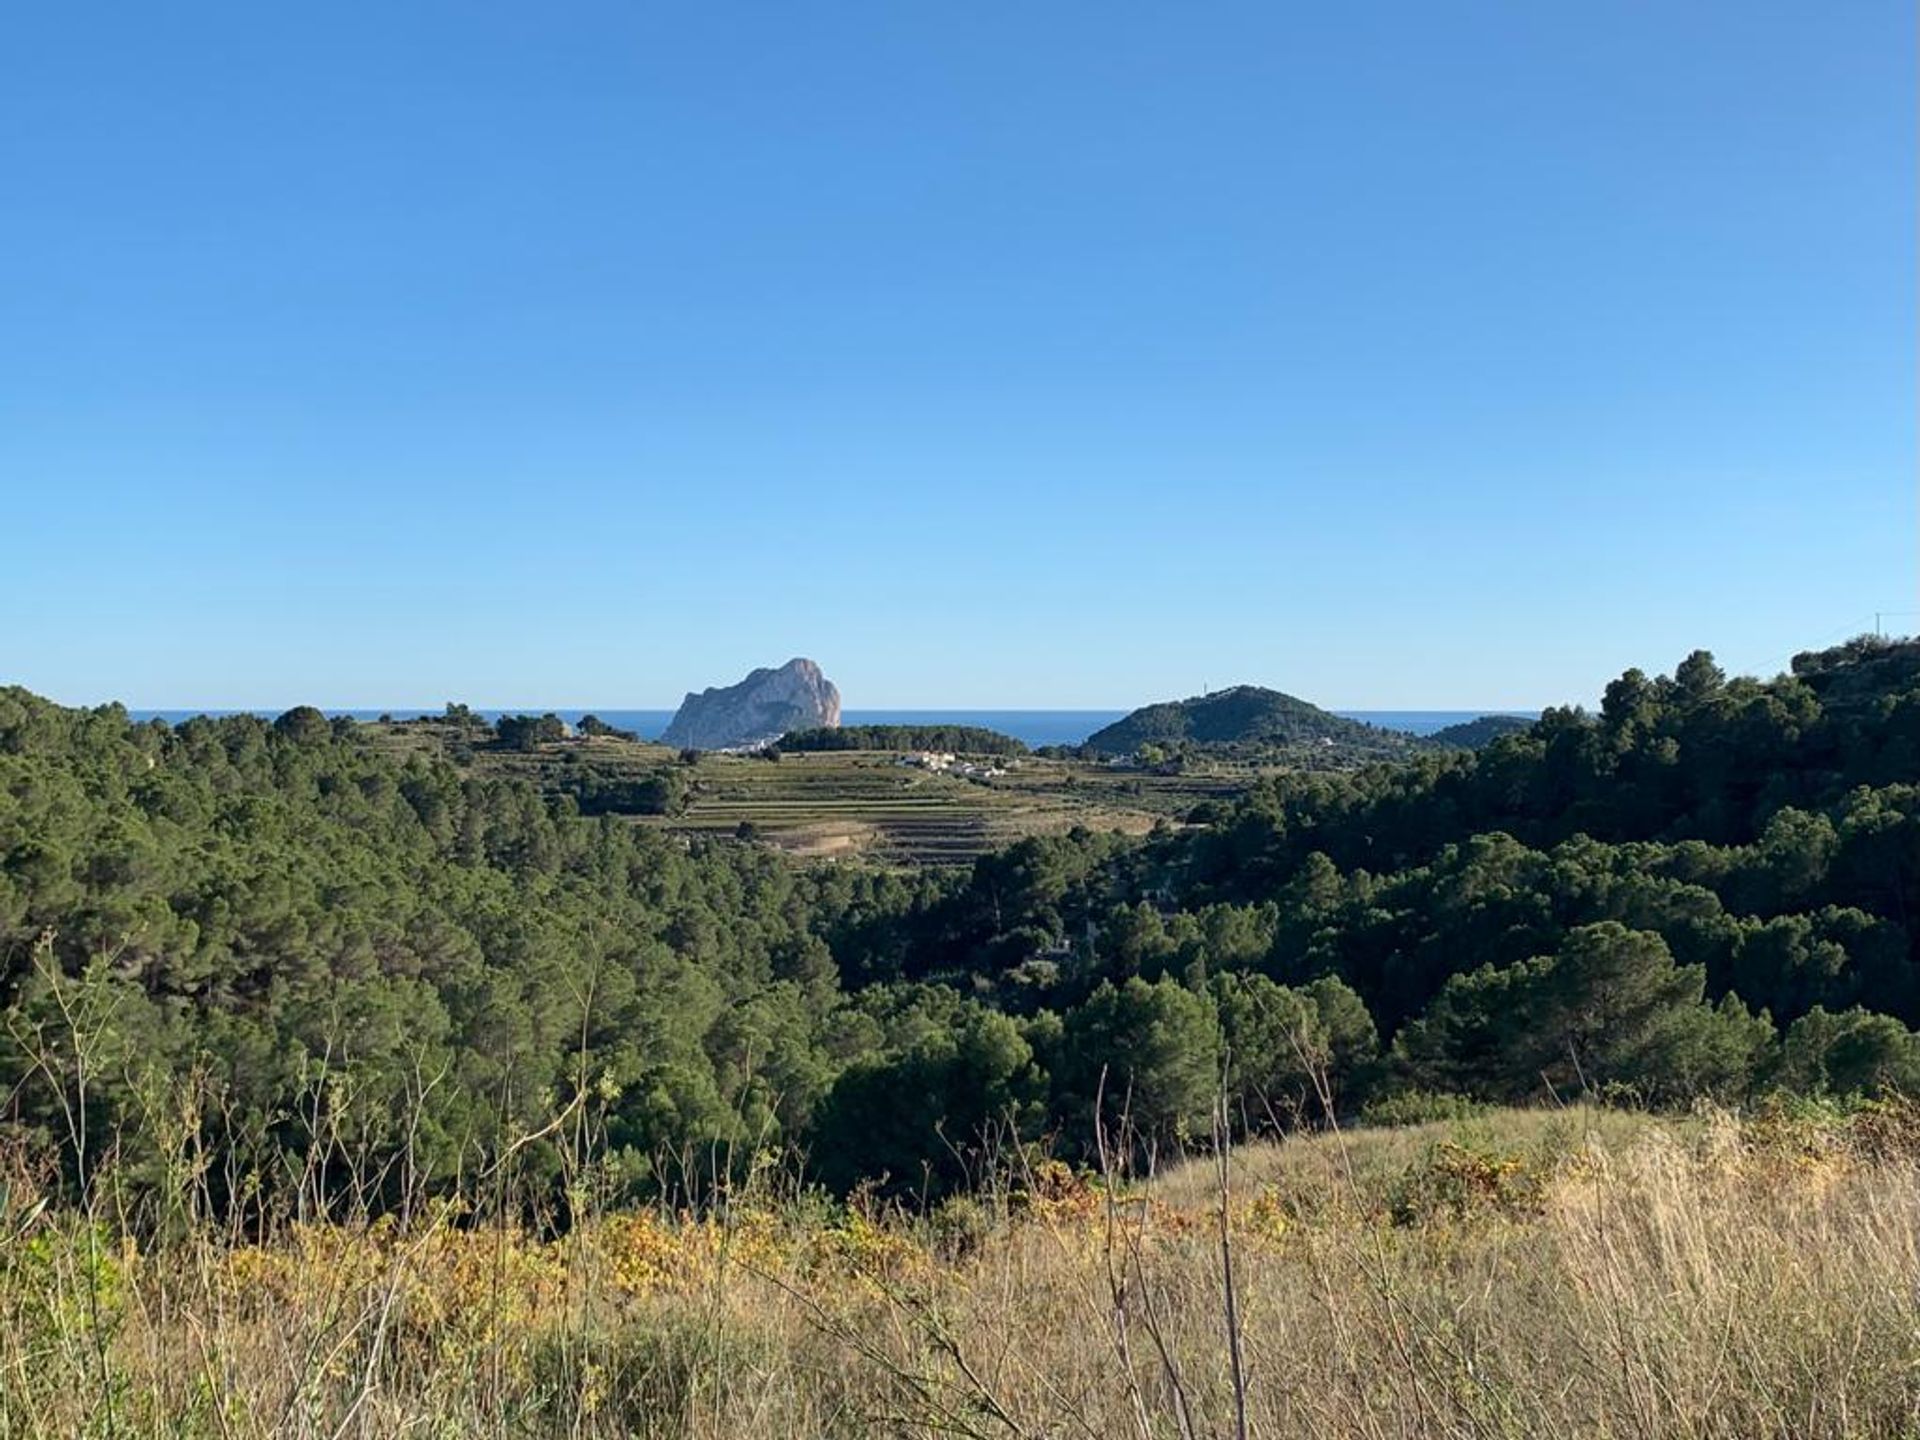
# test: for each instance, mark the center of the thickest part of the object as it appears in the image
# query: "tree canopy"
(958, 739)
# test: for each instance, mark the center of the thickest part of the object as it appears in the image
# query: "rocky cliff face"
(761, 708)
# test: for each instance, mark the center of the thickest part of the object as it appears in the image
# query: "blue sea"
(1035, 727)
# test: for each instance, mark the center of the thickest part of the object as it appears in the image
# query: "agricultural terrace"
(874, 805)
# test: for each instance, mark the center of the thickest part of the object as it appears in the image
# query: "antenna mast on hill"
(1880, 617)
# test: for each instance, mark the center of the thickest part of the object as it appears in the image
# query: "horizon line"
(539, 708)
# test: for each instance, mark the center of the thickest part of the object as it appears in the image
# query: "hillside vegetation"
(353, 1089)
(1706, 890)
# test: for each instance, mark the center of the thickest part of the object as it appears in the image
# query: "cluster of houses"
(943, 762)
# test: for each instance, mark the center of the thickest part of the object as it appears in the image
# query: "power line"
(1776, 663)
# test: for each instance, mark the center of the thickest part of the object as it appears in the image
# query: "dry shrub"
(1513, 1275)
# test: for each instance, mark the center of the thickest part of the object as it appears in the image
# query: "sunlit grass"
(1581, 1273)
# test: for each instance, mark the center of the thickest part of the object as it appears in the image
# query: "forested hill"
(1242, 717)
(387, 966)
(1712, 886)
(1472, 734)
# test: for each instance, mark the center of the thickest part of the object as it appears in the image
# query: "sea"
(1034, 727)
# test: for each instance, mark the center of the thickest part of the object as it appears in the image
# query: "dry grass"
(1574, 1274)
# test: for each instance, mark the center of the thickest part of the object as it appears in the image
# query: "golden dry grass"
(1573, 1274)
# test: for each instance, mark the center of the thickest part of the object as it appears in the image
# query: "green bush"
(1419, 1107)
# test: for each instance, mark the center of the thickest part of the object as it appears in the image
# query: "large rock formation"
(760, 709)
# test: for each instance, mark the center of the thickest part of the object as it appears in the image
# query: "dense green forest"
(1707, 888)
(959, 739)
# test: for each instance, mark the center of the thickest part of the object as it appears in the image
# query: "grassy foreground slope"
(1575, 1274)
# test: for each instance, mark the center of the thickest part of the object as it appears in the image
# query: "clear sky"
(1392, 354)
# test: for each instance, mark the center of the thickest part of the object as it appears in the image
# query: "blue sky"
(1393, 354)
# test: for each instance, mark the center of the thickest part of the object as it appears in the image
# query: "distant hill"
(1245, 716)
(1472, 734)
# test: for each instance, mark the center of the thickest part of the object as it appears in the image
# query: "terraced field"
(866, 803)
(848, 804)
